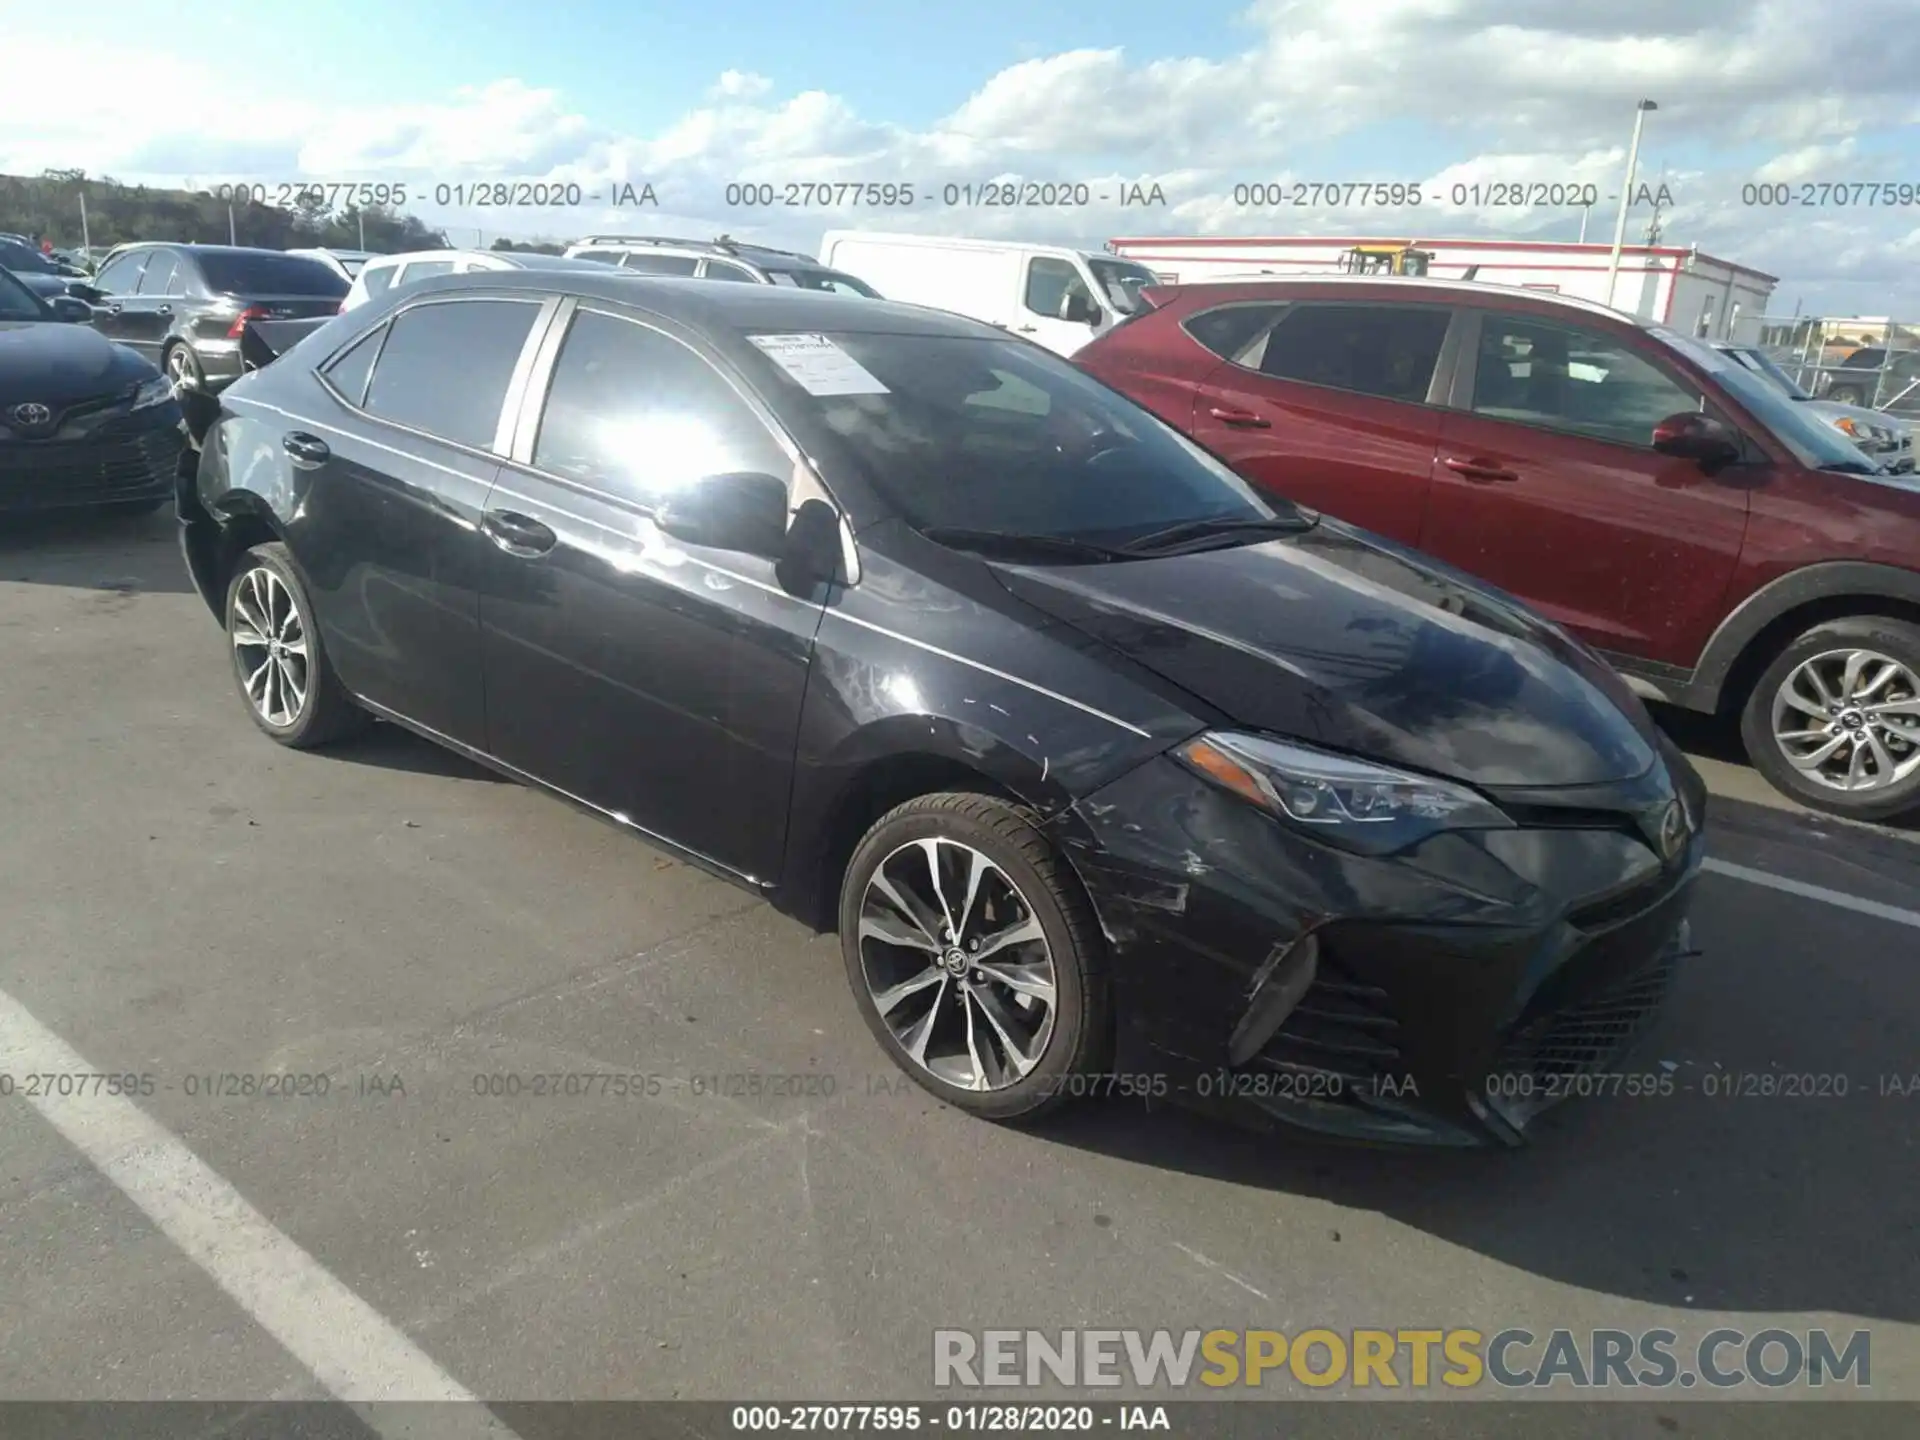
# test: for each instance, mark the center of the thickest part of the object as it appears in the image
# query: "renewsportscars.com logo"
(1393, 1359)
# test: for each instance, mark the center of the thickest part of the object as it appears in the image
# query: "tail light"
(252, 312)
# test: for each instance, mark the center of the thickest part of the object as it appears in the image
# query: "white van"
(1059, 297)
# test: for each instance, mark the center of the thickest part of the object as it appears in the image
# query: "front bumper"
(119, 459)
(1444, 996)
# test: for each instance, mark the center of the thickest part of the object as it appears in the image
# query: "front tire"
(288, 686)
(1834, 721)
(974, 956)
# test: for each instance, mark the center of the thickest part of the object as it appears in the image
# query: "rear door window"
(446, 365)
(661, 264)
(376, 278)
(348, 373)
(1388, 351)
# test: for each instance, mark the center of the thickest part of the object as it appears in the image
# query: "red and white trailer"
(1682, 287)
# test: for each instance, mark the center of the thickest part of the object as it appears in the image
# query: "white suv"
(722, 259)
(388, 272)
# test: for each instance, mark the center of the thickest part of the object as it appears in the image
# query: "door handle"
(518, 534)
(113, 309)
(309, 452)
(1238, 418)
(163, 309)
(1028, 329)
(1481, 472)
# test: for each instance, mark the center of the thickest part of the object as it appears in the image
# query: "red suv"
(1724, 551)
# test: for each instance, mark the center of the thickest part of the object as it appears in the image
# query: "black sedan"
(83, 422)
(1112, 775)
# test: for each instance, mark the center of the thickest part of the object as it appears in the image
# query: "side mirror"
(70, 308)
(742, 510)
(1699, 438)
(1079, 308)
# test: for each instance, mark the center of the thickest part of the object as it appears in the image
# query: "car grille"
(1341, 1026)
(1590, 1035)
(40, 476)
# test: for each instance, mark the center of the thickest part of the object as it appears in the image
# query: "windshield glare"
(1122, 281)
(991, 434)
(1811, 442)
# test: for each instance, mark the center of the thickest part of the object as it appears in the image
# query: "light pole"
(1626, 195)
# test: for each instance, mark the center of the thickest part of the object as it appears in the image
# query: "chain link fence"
(1872, 361)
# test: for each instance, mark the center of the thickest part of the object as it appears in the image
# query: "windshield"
(836, 281)
(1812, 443)
(17, 302)
(15, 256)
(999, 435)
(269, 272)
(1764, 364)
(1122, 280)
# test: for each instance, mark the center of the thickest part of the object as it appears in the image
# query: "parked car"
(43, 275)
(83, 422)
(396, 272)
(1885, 439)
(1723, 548)
(1876, 377)
(1097, 761)
(53, 287)
(345, 263)
(183, 307)
(722, 259)
(1060, 297)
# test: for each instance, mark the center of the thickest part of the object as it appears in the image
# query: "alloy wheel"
(271, 644)
(179, 364)
(1849, 720)
(957, 964)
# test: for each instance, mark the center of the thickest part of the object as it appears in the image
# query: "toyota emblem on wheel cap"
(1673, 831)
(32, 415)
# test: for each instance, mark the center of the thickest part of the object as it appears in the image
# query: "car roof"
(723, 248)
(766, 309)
(1404, 287)
(519, 259)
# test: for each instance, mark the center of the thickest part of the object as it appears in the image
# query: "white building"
(1685, 289)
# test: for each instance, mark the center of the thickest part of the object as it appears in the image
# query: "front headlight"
(1357, 804)
(156, 391)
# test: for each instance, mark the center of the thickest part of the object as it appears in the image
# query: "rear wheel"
(1835, 719)
(289, 688)
(182, 366)
(974, 956)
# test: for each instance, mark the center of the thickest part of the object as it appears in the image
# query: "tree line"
(48, 206)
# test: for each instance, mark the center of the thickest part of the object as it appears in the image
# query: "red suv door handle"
(1243, 419)
(1481, 472)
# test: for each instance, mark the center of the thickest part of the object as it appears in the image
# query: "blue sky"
(1199, 96)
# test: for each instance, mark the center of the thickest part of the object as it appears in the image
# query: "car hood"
(58, 362)
(1834, 410)
(1337, 639)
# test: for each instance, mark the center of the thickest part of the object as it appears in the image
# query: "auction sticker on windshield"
(818, 366)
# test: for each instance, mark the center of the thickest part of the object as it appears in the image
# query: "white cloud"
(1523, 90)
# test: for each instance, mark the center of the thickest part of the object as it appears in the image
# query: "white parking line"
(1838, 898)
(351, 1349)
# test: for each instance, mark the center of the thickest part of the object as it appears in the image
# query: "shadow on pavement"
(394, 747)
(91, 550)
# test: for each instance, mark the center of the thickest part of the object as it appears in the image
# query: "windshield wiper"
(1013, 542)
(1160, 542)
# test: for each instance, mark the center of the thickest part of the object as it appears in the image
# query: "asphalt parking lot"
(182, 898)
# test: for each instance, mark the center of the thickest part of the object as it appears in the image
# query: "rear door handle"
(308, 452)
(1028, 329)
(163, 309)
(1238, 418)
(113, 309)
(518, 534)
(1481, 472)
